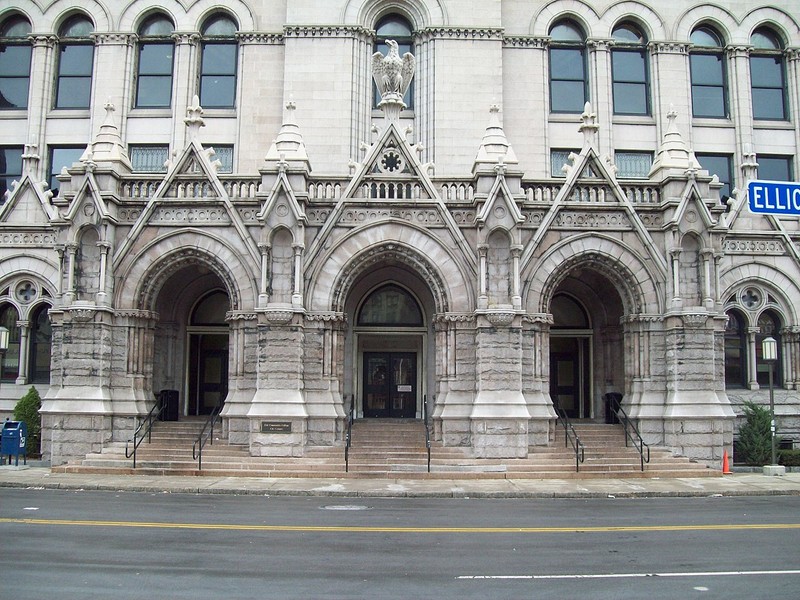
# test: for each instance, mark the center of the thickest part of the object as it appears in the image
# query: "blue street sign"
(774, 197)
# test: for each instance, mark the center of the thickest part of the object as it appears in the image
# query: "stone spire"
(288, 150)
(674, 154)
(107, 146)
(494, 148)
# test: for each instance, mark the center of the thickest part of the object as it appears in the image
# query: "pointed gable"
(28, 203)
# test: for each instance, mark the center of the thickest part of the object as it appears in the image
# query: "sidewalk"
(737, 484)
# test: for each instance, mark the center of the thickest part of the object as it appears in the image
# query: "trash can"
(613, 400)
(168, 400)
(14, 440)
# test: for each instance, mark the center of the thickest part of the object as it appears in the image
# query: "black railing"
(143, 431)
(348, 439)
(427, 428)
(206, 434)
(571, 437)
(631, 431)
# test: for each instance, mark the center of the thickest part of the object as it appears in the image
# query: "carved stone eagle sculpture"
(392, 74)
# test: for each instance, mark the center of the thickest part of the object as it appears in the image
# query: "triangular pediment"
(499, 208)
(691, 201)
(28, 203)
(282, 205)
(87, 207)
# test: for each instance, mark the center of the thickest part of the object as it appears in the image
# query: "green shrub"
(27, 410)
(789, 458)
(754, 446)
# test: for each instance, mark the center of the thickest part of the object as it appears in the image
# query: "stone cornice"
(114, 38)
(524, 41)
(668, 47)
(462, 33)
(331, 31)
(260, 37)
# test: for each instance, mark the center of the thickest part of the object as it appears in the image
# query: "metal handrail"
(349, 436)
(204, 436)
(139, 435)
(641, 446)
(427, 428)
(571, 437)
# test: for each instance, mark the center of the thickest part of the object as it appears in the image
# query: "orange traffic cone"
(726, 469)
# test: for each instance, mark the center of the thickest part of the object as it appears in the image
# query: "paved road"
(68, 544)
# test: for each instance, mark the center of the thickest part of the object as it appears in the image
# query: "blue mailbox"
(14, 440)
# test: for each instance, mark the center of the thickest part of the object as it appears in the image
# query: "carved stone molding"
(115, 38)
(500, 318)
(278, 316)
(592, 220)
(754, 246)
(454, 317)
(669, 48)
(545, 318)
(28, 238)
(259, 37)
(191, 214)
(349, 31)
(336, 317)
(526, 42)
(82, 314)
(641, 318)
(235, 315)
(132, 313)
(356, 216)
(463, 33)
(694, 321)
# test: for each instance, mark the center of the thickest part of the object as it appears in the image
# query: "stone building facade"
(553, 210)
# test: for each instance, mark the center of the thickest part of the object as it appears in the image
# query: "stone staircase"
(384, 448)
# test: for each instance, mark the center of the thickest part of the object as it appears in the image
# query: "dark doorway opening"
(390, 384)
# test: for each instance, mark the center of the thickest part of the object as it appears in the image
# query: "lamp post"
(5, 335)
(769, 352)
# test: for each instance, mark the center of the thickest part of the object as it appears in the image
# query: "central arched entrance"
(390, 338)
(207, 360)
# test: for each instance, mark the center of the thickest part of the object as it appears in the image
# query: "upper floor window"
(633, 165)
(397, 28)
(76, 57)
(149, 158)
(224, 154)
(569, 83)
(775, 168)
(10, 167)
(60, 157)
(720, 165)
(218, 63)
(629, 71)
(767, 76)
(154, 66)
(709, 85)
(15, 62)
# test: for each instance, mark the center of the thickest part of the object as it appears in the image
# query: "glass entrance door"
(569, 375)
(208, 372)
(390, 384)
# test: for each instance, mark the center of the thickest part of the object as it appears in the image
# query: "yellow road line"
(384, 529)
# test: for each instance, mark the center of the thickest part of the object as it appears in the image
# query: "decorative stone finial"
(588, 126)
(194, 118)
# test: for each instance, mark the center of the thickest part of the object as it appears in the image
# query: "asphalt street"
(96, 544)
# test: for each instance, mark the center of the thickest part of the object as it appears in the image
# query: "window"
(633, 165)
(559, 158)
(9, 360)
(720, 165)
(61, 157)
(218, 63)
(224, 154)
(154, 68)
(390, 305)
(768, 326)
(569, 84)
(629, 71)
(767, 76)
(15, 63)
(40, 342)
(735, 351)
(709, 89)
(149, 158)
(775, 168)
(397, 28)
(76, 55)
(10, 168)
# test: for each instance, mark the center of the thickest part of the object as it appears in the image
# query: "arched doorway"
(391, 334)
(207, 368)
(587, 357)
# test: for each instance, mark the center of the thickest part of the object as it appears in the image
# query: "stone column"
(740, 100)
(24, 351)
(675, 262)
(751, 357)
(323, 377)
(297, 276)
(602, 96)
(70, 295)
(707, 256)
(115, 55)
(671, 86)
(792, 85)
(102, 293)
(516, 299)
(455, 365)
(40, 90)
(536, 377)
(263, 291)
(483, 298)
(184, 82)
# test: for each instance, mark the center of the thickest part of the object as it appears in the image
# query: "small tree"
(755, 436)
(27, 410)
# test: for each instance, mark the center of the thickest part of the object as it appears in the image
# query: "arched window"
(40, 345)
(397, 28)
(569, 82)
(568, 314)
(211, 309)
(709, 86)
(75, 63)
(629, 71)
(767, 76)
(768, 326)
(390, 305)
(154, 65)
(218, 62)
(735, 351)
(9, 369)
(15, 63)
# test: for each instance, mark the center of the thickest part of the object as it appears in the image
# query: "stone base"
(500, 438)
(277, 444)
(322, 432)
(68, 437)
(774, 470)
(453, 432)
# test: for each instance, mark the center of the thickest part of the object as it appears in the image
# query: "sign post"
(774, 197)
